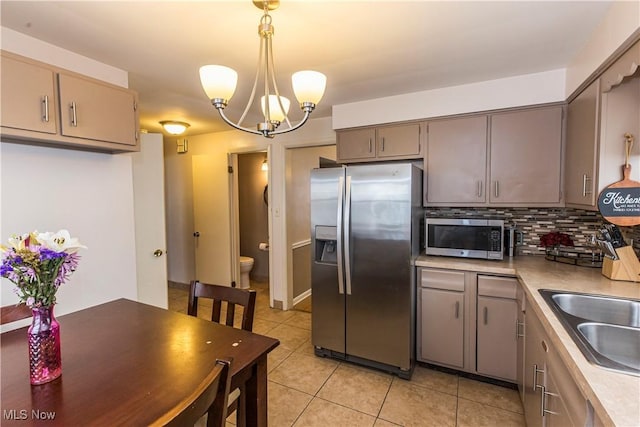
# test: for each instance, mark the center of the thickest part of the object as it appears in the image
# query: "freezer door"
(327, 286)
(380, 295)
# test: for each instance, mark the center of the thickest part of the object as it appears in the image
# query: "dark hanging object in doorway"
(265, 195)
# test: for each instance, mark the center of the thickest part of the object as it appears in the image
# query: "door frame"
(234, 213)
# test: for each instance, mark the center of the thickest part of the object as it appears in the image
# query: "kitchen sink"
(606, 329)
(619, 343)
(600, 309)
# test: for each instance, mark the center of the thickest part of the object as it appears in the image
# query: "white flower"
(59, 242)
(16, 242)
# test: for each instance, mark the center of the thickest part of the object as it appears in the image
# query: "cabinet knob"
(157, 253)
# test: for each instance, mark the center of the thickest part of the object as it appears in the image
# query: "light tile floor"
(306, 390)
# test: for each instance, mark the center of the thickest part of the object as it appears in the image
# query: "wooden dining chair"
(211, 401)
(232, 297)
(11, 313)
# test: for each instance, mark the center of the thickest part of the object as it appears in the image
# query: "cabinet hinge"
(230, 169)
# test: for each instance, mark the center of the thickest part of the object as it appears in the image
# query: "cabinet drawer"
(442, 279)
(500, 287)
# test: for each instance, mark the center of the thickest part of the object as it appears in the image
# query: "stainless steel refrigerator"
(365, 228)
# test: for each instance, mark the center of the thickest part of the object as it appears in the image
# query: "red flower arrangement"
(555, 238)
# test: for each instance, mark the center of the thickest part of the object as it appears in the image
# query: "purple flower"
(30, 301)
(48, 254)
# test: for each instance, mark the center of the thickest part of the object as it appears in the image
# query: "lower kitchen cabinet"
(443, 327)
(552, 397)
(520, 367)
(496, 347)
(442, 317)
(467, 321)
(535, 348)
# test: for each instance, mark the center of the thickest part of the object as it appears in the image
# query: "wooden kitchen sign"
(619, 203)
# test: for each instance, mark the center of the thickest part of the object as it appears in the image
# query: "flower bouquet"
(552, 241)
(38, 263)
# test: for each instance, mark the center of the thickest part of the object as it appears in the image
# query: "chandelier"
(219, 83)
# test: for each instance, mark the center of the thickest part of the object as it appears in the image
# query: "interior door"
(148, 190)
(211, 219)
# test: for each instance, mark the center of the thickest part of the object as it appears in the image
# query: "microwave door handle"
(347, 234)
(339, 235)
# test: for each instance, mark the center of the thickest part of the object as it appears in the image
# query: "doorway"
(250, 217)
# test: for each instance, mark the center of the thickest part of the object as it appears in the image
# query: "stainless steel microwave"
(467, 238)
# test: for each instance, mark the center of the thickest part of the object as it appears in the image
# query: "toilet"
(246, 264)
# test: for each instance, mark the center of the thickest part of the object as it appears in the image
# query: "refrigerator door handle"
(339, 235)
(347, 234)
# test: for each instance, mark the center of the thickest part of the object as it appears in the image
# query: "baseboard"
(302, 297)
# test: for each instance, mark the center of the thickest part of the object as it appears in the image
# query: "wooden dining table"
(128, 363)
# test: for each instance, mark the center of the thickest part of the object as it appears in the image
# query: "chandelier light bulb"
(309, 86)
(218, 81)
(275, 112)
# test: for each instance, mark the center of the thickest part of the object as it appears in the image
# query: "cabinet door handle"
(74, 115)
(45, 108)
(496, 188)
(585, 178)
(485, 315)
(518, 326)
(544, 395)
(370, 147)
(479, 192)
(457, 309)
(382, 143)
(536, 371)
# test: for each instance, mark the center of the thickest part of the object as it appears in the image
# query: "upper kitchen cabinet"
(619, 114)
(503, 159)
(28, 96)
(597, 120)
(95, 111)
(394, 142)
(526, 157)
(581, 147)
(456, 161)
(45, 105)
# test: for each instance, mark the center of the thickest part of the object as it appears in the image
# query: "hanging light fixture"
(219, 83)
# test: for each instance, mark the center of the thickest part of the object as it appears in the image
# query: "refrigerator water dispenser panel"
(326, 241)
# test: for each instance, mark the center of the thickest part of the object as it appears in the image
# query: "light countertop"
(615, 397)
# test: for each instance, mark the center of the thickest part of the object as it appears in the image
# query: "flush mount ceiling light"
(219, 83)
(174, 127)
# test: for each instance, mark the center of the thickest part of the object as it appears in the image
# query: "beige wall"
(253, 212)
(299, 162)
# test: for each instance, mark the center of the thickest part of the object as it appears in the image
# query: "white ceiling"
(367, 49)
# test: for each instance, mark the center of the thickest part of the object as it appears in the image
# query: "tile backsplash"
(579, 224)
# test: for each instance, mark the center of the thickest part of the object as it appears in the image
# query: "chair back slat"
(232, 297)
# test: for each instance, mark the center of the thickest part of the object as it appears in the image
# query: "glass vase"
(45, 363)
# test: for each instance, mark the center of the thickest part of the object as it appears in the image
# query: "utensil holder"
(626, 268)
